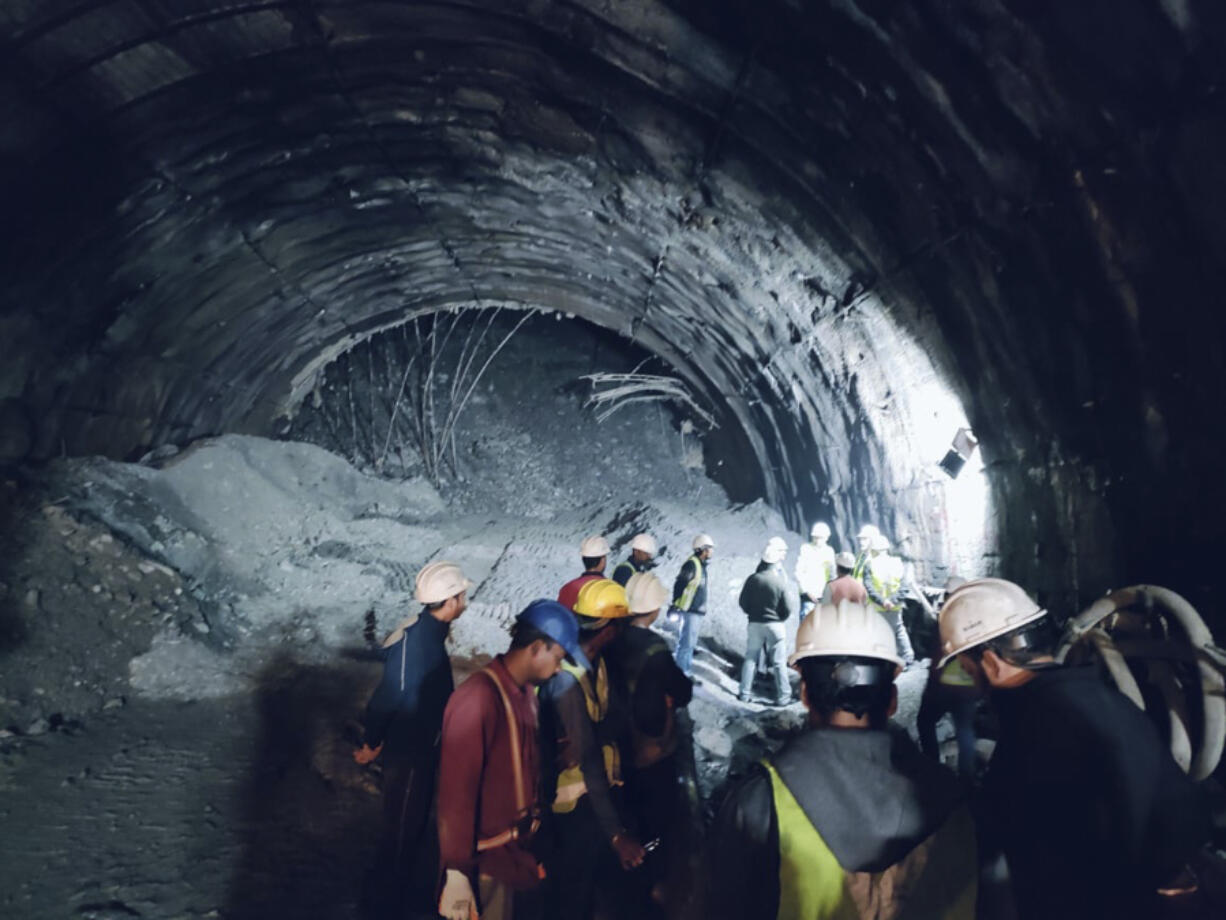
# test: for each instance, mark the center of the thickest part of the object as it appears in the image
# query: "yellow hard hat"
(602, 599)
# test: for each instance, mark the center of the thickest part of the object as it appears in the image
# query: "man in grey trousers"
(768, 599)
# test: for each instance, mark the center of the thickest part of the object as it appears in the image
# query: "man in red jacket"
(489, 781)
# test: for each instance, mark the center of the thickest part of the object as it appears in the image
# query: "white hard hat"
(439, 581)
(879, 543)
(594, 547)
(845, 560)
(646, 593)
(849, 629)
(702, 541)
(644, 542)
(820, 529)
(981, 610)
(776, 550)
(868, 531)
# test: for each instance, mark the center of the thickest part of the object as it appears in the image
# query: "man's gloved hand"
(457, 901)
(365, 754)
(630, 852)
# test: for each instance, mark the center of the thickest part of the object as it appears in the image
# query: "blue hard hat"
(558, 623)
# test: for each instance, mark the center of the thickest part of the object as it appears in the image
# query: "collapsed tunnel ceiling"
(810, 211)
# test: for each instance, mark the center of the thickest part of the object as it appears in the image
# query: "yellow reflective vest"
(571, 786)
(935, 881)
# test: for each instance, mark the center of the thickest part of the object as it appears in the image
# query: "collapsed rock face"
(817, 215)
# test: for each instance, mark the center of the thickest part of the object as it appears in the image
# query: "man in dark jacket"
(769, 600)
(1087, 805)
(849, 819)
(690, 600)
(654, 687)
(642, 558)
(403, 722)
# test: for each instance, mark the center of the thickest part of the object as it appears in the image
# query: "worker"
(489, 796)
(642, 558)
(950, 689)
(769, 600)
(594, 551)
(584, 723)
(882, 580)
(402, 722)
(690, 599)
(848, 819)
(654, 688)
(845, 587)
(814, 566)
(1090, 810)
(864, 540)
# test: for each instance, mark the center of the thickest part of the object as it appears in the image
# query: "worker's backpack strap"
(517, 767)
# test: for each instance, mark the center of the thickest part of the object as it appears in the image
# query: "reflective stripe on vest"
(571, 786)
(954, 675)
(687, 595)
(937, 879)
(885, 585)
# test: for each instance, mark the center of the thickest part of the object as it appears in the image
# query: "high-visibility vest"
(938, 879)
(694, 593)
(885, 573)
(571, 786)
(954, 675)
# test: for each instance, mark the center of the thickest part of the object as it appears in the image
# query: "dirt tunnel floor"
(245, 806)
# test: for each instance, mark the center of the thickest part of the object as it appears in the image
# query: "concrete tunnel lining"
(242, 156)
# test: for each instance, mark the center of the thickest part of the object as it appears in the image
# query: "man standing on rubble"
(814, 566)
(690, 600)
(489, 795)
(1092, 814)
(402, 722)
(769, 601)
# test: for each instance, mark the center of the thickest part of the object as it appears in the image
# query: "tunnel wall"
(210, 196)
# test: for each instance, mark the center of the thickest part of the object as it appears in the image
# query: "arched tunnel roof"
(813, 212)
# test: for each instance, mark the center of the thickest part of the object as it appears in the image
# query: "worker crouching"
(584, 721)
(848, 819)
(488, 801)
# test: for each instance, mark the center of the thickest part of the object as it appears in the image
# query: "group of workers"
(552, 777)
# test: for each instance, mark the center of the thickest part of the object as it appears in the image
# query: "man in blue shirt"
(403, 722)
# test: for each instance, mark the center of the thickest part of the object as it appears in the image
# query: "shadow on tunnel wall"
(13, 539)
(308, 814)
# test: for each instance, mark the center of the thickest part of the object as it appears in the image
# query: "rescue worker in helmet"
(690, 599)
(654, 688)
(883, 576)
(814, 566)
(845, 587)
(583, 726)
(402, 724)
(864, 541)
(594, 553)
(769, 601)
(489, 805)
(950, 689)
(1085, 801)
(848, 819)
(642, 558)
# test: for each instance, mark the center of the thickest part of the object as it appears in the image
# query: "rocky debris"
(77, 604)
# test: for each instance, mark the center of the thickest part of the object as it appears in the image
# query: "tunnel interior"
(843, 230)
